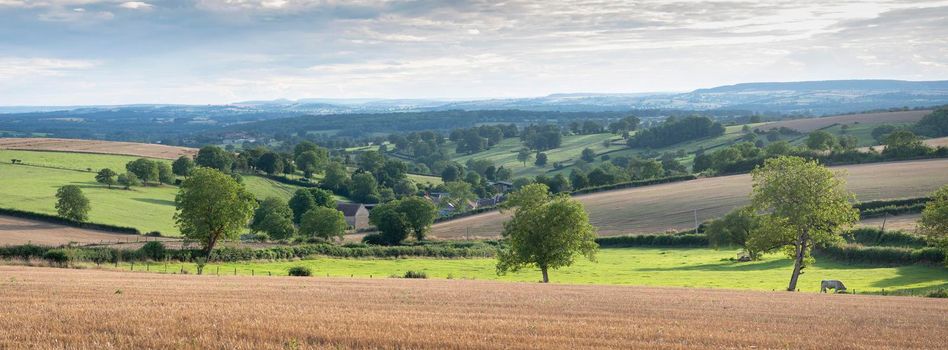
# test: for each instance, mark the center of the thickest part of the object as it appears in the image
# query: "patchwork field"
(17, 231)
(810, 124)
(672, 206)
(674, 267)
(92, 309)
(95, 146)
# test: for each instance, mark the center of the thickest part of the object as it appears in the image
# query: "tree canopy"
(212, 206)
(807, 204)
(274, 218)
(324, 223)
(545, 232)
(72, 204)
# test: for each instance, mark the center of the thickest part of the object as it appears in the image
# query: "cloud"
(13, 67)
(136, 5)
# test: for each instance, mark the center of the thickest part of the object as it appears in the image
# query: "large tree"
(301, 202)
(165, 173)
(72, 204)
(215, 157)
(545, 232)
(735, 228)
(212, 206)
(393, 224)
(106, 176)
(182, 166)
(364, 188)
(807, 205)
(324, 223)
(311, 162)
(274, 218)
(419, 214)
(145, 169)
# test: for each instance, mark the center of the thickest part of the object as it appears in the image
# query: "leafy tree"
(934, 124)
(524, 156)
(392, 172)
(336, 178)
(72, 204)
(735, 228)
(304, 147)
(215, 157)
(275, 218)
(106, 177)
(541, 159)
(578, 179)
(588, 155)
(128, 180)
(472, 178)
(212, 206)
(673, 131)
(301, 202)
(271, 163)
(820, 141)
(934, 221)
(364, 188)
(325, 223)
(405, 187)
(808, 205)
(311, 162)
(452, 172)
(419, 214)
(182, 166)
(165, 174)
(145, 169)
(503, 174)
(371, 161)
(779, 148)
(545, 232)
(323, 198)
(904, 144)
(393, 225)
(882, 131)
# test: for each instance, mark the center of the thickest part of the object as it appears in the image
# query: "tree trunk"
(546, 276)
(798, 263)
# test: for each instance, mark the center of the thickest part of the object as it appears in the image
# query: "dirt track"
(98, 147)
(672, 206)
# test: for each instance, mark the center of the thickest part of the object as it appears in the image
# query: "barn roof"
(349, 209)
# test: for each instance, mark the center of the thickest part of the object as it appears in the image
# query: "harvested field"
(98, 147)
(671, 206)
(17, 231)
(907, 223)
(810, 124)
(93, 309)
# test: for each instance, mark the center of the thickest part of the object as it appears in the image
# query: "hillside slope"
(672, 206)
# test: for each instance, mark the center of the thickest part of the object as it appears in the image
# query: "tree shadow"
(906, 276)
(155, 201)
(727, 266)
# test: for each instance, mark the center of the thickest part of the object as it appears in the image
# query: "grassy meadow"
(675, 267)
(32, 186)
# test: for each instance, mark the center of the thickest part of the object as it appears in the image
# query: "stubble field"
(96, 146)
(671, 206)
(811, 124)
(91, 309)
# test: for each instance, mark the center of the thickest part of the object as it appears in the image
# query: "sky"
(82, 52)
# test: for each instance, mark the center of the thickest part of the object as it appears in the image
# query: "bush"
(153, 250)
(415, 274)
(57, 256)
(666, 240)
(301, 271)
(937, 293)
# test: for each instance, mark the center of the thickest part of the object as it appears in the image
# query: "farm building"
(357, 215)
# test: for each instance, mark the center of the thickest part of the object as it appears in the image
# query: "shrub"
(937, 293)
(415, 274)
(301, 271)
(57, 256)
(153, 250)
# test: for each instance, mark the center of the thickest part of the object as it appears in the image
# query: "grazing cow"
(835, 285)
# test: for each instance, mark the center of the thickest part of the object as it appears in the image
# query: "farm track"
(96, 147)
(672, 206)
(94, 309)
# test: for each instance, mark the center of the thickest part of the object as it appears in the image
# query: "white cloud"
(11, 67)
(136, 5)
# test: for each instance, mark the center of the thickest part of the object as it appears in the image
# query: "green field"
(505, 153)
(700, 268)
(32, 186)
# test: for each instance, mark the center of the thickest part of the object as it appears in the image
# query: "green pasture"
(32, 186)
(697, 268)
(505, 153)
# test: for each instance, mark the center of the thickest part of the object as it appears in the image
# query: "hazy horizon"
(107, 52)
